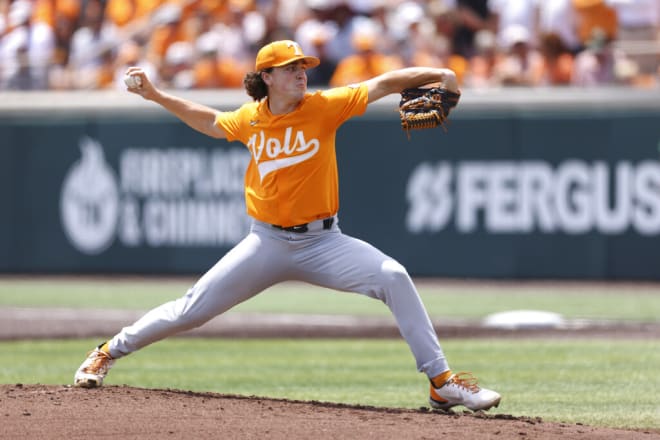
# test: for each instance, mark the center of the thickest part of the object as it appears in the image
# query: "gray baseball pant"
(267, 256)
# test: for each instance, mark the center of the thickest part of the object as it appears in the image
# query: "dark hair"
(255, 85)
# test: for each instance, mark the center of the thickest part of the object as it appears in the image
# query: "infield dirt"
(29, 411)
(64, 412)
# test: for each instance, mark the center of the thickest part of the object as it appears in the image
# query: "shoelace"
(99, 364)
(466, 380)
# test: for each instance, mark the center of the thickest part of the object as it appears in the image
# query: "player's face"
(289, 80)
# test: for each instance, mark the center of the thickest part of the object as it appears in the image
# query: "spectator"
(206, 40)
(593, 15)
(428, 40)
(557, 64)
(26, 49)
(64, 26)
(520, 64)
(601, 64)
(270, 25)
(60, 75)
(291, 13)
(21, 76)
(559, 17)
(47, 11)
(122, 12)
(92, 48)
(132, 53)
(105, 72)
(367, 61)
(230, 35)
(168, 29)
(206, 68)
(64, 44)
(315, 28)
(316, 35)
(130, 13)
(177, 70)
(4, 5)
(343, 18)
(513, 13)
(481, 70)
(474, 16)
(413, 31)
(214, 71)
(386, 16)
(638, 32)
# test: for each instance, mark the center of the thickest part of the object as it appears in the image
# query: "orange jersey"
(292, 176)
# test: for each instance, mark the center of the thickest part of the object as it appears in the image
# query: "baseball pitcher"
(291, 193)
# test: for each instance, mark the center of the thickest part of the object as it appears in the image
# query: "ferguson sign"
(518, 197)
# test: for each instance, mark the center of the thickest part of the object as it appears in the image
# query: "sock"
(105, 348)
(441, 378)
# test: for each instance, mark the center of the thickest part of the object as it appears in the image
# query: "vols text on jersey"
(280, 153)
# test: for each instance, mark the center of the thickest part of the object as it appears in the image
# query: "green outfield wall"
(524, 184)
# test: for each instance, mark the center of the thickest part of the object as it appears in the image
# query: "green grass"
(595, 382)
(459, 300)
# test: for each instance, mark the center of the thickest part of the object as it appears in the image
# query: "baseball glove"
(421, 108)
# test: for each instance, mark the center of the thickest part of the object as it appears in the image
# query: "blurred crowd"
(195, 44)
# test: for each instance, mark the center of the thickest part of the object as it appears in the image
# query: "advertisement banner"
(123, 197)
(511, 194)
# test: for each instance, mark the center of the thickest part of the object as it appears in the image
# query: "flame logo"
(89, 203)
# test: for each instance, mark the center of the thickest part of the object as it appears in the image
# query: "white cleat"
(462, 389)
(94, 369)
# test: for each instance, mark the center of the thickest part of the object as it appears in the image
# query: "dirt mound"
(40, 411)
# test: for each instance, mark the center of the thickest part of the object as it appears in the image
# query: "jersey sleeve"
(231, 122)
(347, 101)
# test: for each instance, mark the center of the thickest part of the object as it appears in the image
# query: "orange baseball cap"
(281, 53)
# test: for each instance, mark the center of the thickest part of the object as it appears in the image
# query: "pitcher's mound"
(46, 411)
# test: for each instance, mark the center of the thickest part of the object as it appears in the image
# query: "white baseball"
(133, 81)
